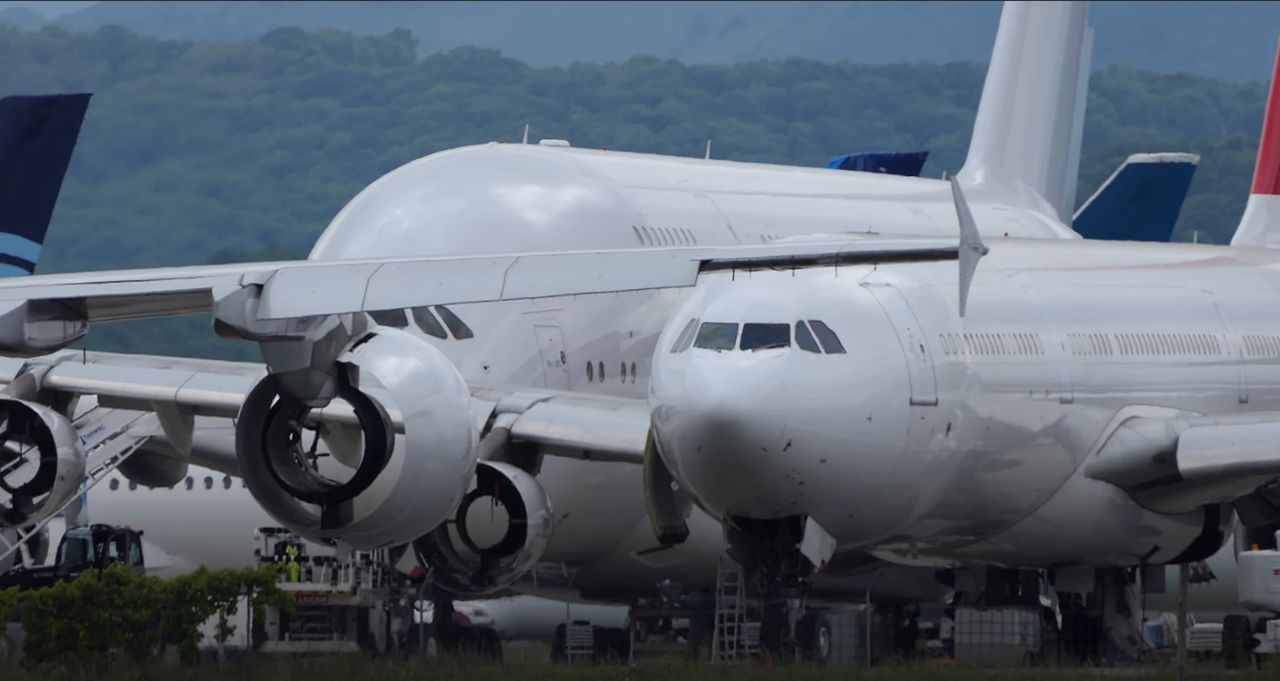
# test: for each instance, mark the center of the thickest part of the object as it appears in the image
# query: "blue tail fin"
(37, 135)
(1140, 201)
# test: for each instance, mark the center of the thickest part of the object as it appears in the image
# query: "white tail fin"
(1260, 225)
(1021, 152)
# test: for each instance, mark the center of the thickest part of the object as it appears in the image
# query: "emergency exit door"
(915, 345)
(555, 366)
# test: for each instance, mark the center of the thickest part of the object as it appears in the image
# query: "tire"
(813, 632)
(1237, 635)
(557, 645)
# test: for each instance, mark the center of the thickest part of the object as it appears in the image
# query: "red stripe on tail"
(1266, 175)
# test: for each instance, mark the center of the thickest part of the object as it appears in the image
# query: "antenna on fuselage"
(525, 139)
(707, 156)
(971, 247)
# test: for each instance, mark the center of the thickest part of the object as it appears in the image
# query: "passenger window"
(393, 318)
(633, 372)
(459, 330)
(190, 483)
(427, 322)
(830, 342)
(132, 485)
(716, 336)
(208, 482)
(623, 372)
(686, 337)
(591, 371)
(114, 484)
(600, 368)
(765, 336)
(226, 482)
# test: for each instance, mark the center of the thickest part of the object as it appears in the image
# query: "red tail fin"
(1260, 225)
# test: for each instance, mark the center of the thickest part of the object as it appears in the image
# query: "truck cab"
(84, 548)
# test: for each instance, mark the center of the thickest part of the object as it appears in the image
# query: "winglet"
(971, 247)
(1260, 224)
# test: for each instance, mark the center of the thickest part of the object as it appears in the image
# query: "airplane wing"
(44, 313)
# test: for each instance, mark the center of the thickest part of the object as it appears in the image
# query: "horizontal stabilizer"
(37, 136)
(1140, 201)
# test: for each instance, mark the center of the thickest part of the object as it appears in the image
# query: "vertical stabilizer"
(37, 136)
(1021, 151)
(1260, 225)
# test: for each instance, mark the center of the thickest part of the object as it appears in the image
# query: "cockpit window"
(459, 330)
(685, 339)
(392, 318)
(765, 336)
(716, 336)
(427, 322)
(805, 339)
(830, 342)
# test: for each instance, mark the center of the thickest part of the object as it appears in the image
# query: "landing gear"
(769, 551)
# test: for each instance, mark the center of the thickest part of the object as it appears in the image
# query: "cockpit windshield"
(765, 336)
(716, 336)
(828, 338)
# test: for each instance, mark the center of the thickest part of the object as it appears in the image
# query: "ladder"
(729, 638)
(106, 434)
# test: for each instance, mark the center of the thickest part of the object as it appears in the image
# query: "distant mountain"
(1229, 40)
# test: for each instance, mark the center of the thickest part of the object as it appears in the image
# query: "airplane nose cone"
(721, 427)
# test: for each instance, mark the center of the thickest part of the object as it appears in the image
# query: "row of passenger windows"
(989, 344)
(1261, 346)
(424, 319)
(189, 483)
(811, 336)
(594, 373)
(664, 236)
(1094, 344)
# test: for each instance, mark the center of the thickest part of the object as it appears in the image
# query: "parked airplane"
(457, 391)
(1097, 404)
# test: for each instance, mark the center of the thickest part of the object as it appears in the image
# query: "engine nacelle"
(498, 532)
(400, 482)
(41, 462)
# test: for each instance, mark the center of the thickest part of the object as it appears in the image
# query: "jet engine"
(399, 445)
(498, 532)
(41, 462)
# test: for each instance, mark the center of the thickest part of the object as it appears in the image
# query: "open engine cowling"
(41, 462)
(497, 533)
(398, 485)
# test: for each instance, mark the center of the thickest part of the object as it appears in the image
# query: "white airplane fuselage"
(939, 439)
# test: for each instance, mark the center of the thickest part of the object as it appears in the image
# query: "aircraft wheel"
(813, 633)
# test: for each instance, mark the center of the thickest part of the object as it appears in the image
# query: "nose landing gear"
(769, 551)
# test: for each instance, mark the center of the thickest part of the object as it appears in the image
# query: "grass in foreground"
(524, 668)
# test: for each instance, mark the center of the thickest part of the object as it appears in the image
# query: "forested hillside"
(198, 152)
(1231, 40)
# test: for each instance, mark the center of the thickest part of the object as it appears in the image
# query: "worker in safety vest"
(292, 565)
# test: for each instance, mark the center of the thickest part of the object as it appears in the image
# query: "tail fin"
(1140, 201)
(1260, 225)
(1021, 149)
(37, 135)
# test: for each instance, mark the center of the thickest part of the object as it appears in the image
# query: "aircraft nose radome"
(723, 439)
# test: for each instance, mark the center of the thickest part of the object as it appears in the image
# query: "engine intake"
(498, 532)
(392, 468)
(41, 462)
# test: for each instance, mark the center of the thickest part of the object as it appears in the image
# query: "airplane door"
(915, 346)
(555, 366)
